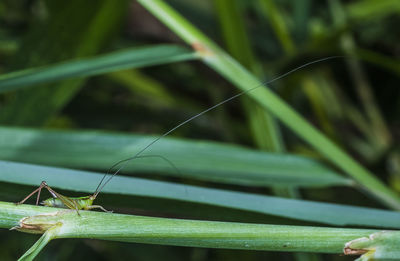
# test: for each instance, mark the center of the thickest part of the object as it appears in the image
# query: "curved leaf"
(201, 160)
(124, 59)
(326, 213)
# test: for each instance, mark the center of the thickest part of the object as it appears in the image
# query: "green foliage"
(206, 161)
(76, 65)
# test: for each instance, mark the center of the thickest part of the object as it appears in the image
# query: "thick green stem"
(221, 62)
(166, 231)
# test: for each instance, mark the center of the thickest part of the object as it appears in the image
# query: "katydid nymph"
(61, 201)
(78, 203)
(86, 202)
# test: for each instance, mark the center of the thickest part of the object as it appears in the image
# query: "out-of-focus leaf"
(389, 63)
(201, 160)
(371, 9)
(124, 59)
(264, 127)
(72, 29)
(142, 86)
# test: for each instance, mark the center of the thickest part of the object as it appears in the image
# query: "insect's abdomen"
(53, 202)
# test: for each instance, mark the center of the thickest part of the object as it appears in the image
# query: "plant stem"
(166, 231)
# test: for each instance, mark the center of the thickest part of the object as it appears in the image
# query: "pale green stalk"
(178, 232)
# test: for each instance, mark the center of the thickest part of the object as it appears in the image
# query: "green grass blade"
(209, 161)
(120, 60)
(368, 10)
(229, 68)
(83, 181)
(234, 32)
(264, 127)
(143, 86)
(388, 63)
(278, 23)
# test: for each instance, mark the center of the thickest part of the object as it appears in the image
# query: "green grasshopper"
(86, 203)
(61, 201)
(78, 203)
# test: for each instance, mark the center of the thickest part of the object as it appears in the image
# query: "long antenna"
(100, 186)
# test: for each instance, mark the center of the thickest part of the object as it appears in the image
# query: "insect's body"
(69, 202)
(61, 201)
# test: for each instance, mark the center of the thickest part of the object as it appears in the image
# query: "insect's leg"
(38, 194)
(70, 203)
(42, 185)
(76, 208)
(52, 192)
(100, 207)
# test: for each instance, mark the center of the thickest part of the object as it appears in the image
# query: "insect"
(77, 203)
(86, 202)
(61, 201)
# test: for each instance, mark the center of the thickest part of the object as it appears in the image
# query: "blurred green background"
(356, 102)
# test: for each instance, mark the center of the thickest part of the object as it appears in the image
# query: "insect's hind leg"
(76, 208)
(38, 190)
(98, 206)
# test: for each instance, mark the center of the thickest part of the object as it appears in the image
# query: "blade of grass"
(264, 127)
(119, 60)
(143, 86)
(314, 92)
(278, 23)
(221, 62)
(370, 9)
(389, 63)
(83, 181)
(208, 161)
